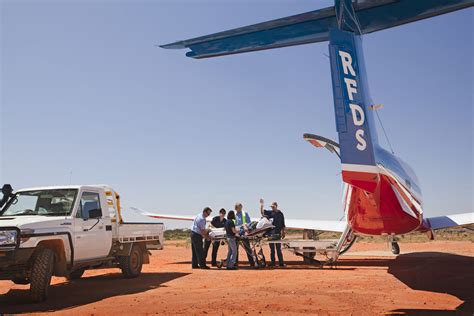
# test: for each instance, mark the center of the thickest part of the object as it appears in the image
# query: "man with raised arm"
(277, 233)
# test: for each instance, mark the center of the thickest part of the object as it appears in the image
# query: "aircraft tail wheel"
(395, 248)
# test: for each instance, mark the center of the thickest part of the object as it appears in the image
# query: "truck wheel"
(75, 275)
(22, 281)
(41, 273)
(132, 265)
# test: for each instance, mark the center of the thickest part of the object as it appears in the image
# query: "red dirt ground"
(434, 278)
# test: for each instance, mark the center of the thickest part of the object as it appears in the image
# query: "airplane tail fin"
(354, 120)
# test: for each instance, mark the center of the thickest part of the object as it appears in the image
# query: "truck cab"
(65, 230)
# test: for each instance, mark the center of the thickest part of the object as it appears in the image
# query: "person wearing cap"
(242, 219)
(278, 232)
(217, 222)
(198, 232)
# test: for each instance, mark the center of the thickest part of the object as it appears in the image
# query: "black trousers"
(198, 250)
(215, 248)
(248, 251)
(272, 253)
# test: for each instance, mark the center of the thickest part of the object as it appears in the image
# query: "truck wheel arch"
(57, 246)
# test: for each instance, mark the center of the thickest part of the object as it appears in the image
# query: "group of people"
(235, 225)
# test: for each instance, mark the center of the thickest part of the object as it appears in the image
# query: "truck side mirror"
(7, 192)
(95, 213)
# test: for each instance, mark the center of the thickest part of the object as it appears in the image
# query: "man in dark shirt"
(217, 222)
(278, 232)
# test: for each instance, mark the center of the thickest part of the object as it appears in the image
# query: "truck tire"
(21, 281)
(76, 274)
(132, 265)
(41, 273)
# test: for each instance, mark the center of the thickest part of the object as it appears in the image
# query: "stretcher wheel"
(261, 261)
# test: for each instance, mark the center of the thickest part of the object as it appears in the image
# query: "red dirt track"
(434, 278)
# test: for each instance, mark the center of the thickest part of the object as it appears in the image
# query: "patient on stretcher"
(263, 226)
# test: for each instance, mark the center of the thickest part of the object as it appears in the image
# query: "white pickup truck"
(65, 230)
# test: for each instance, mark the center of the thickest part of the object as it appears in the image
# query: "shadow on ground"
(428, 271)
(84, 291)
(289, 265)
(436, 272)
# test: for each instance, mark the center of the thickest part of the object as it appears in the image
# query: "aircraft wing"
(330, 226)
(447, 221)
(171, 216)
(188, 218)
(314, 26)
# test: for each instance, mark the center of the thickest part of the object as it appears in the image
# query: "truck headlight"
(8, 237)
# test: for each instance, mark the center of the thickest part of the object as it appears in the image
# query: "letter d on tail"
(357, 119)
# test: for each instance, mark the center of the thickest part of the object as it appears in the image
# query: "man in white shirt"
(198, 232)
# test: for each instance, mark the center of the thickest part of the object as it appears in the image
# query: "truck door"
(93, 233)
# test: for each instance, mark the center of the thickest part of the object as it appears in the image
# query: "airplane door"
(92, 239)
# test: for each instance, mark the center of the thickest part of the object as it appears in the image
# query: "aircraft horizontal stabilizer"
(319, 141)
(314, 26)
(447, 221)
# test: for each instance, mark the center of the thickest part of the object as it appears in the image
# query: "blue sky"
(85, 89)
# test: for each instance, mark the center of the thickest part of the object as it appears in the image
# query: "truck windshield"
(42, 202)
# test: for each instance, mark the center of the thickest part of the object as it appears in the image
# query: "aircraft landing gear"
(309, 256)
(394, 247)
(345, 242)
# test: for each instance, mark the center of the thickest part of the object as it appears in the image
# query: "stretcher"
(258, 237)
(255, 234)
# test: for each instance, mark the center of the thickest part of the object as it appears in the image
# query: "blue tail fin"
(354, 120)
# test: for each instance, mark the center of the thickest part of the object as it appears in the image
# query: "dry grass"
(455, 234)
